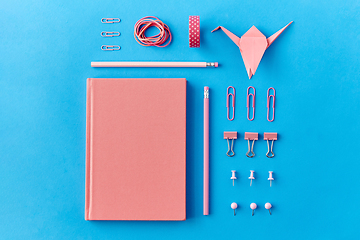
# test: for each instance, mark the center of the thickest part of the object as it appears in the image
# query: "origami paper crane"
(252, 46)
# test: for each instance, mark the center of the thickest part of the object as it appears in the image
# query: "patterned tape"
(194, 31)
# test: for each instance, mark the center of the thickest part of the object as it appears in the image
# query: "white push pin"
(253, 206)
(234, 206)
(268, 206)
(270, 177)
(251, 176)
(233, 175)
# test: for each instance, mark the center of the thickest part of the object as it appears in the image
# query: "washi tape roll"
(194, 31)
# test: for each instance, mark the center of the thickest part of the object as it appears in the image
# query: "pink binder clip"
(232, 136)
(248, 103)
(228, 103)
(270, 137)
(268, 104)
(251, 136)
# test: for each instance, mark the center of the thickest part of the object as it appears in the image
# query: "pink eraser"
(251, 136)
(270, 136)
(206, 88)
(230, 135)
(216, 64)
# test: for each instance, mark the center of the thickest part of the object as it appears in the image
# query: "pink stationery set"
(136, 129)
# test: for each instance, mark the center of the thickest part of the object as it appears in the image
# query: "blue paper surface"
(46, 50)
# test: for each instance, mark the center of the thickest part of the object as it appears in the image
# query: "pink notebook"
(136, 149)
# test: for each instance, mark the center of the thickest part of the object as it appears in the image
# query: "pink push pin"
(268, 206)
(234, 206)
(251, 176)
(233, 177)
(253, 206)
(270, 177)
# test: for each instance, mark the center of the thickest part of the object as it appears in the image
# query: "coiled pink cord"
(158, 40)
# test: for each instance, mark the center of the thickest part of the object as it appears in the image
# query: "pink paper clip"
(110, 34)
(110, 20)
(249, 136)
(268, 104)
(110, 48)
(228, 103)
(270, 137)
(232, 136)
(248, 103)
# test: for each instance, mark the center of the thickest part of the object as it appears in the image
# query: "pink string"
(158, 40)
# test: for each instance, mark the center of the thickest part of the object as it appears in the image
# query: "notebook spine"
(88, 150)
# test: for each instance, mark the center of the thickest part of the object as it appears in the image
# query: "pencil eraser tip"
(206, 88)
(216, 64)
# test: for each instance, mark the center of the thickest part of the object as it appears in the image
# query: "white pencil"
(154, 64)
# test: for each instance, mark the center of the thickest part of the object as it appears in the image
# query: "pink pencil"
(154, 64)
(206, 150)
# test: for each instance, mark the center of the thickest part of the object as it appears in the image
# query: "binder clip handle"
(230, 136)
(270, 153)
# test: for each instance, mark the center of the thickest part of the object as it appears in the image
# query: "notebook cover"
(136, 149)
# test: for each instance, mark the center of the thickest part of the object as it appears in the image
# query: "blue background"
(45, 55)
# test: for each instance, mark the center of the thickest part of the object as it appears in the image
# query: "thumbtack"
(270, 177)
(251, 176)
(234, 206)
(253, 206)
(268, 206)
(232, 136)
(233, 177)
(250, 136)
